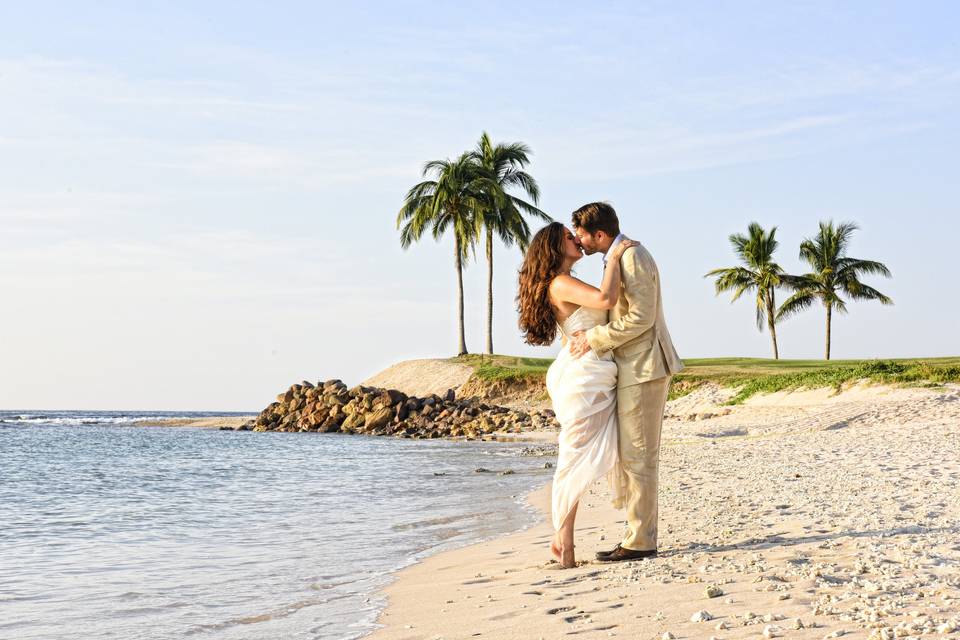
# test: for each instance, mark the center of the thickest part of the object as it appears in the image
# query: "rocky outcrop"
(332, 407)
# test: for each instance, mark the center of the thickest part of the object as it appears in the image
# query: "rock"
(667, 636)
(713, 591)
(332, 423)
(226, 428)
(353, 422)
(797, 623)
(378, 419)
(835, 634)
(507, 472)
(450, 395)
(722, 626)
(701, 616)
(481, 470)
(391, 397)
(548, 465)
(771, 631)
(336, 399)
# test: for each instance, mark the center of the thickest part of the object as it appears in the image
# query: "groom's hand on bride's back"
(578, 344)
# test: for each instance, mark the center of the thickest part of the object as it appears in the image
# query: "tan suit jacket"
(637, 332)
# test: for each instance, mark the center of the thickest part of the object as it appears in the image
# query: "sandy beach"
(214, 422)
(798, 515)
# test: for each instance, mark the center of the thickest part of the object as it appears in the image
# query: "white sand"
(422, 377)
(842, 511)
(201, 423)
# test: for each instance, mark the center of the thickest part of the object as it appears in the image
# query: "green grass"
(497, 368)
(753, 375)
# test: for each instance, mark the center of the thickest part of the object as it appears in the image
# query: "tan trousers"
(640, 409)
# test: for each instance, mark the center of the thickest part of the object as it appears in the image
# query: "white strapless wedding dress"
(584, 395)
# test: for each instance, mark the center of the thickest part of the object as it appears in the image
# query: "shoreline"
(837, 521)
(210, 422)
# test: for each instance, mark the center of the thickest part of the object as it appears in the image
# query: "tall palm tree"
(833, 272)
(760, 274)
(452, 200)
(503, 163)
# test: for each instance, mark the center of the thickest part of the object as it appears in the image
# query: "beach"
(806, 514)
(213, 422)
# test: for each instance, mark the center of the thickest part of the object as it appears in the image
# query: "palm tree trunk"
(829, 318)
(489, 292)
(771, 323)
(462, 349)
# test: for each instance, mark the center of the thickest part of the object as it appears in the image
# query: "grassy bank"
(752, 375)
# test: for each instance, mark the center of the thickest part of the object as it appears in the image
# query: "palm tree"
(761, 274)
(452, 201)
(503, 213)
(833, 272)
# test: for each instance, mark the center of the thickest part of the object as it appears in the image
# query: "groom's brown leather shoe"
(619, 554)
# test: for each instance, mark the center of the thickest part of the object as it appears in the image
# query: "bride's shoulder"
(560, 281)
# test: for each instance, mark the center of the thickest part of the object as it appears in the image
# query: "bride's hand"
(625, 244)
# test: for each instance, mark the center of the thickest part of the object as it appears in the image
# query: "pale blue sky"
(198, 199)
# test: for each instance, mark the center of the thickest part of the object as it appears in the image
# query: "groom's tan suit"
(637, 334)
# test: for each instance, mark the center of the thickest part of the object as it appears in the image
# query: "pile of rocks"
(329, 407)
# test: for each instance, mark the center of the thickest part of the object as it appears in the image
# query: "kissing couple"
(609, 383)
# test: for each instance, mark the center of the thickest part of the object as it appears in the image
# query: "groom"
(638, 337)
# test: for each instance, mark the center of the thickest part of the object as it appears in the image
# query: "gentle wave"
(113, 531)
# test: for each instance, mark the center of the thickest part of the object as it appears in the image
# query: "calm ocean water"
(113, 531)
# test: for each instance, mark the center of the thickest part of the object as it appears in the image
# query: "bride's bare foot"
(555, 548)
(567, 558)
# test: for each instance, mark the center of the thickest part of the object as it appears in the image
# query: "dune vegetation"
(751, 375)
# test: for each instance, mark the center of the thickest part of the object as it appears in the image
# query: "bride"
(583, 390)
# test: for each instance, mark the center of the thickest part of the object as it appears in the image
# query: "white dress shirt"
(613, 245)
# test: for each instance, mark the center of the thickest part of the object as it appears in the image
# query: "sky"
(198, 200)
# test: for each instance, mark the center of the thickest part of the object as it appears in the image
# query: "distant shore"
(214, 422)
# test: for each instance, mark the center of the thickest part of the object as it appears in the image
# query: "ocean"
(110, 530)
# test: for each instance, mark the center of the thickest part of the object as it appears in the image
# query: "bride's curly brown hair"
(541, 264)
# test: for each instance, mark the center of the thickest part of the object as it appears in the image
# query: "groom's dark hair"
(597, 216)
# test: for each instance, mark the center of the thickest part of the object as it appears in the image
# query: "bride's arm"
(569, 289)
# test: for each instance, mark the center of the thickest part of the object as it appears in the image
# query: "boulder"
(378, 419)
(332, 423)
(352, 422)
(391, 397)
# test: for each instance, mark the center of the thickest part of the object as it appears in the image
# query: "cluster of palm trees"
(471, 197)
(832, 273)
